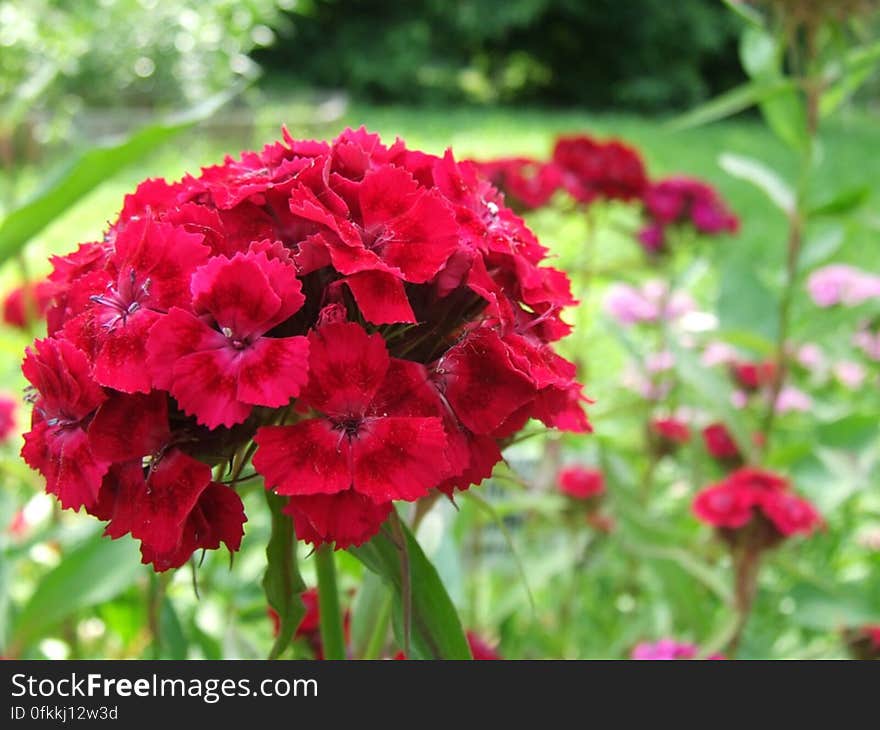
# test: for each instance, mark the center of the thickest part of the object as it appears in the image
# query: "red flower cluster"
(593, 169)
(758, 499)
(753, 376)
(527, 183)
(585, 168)
(720, 443)
(670, 433)
(580, 482)
(678, 200)
(372, 317)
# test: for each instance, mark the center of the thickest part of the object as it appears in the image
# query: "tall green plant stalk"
(332, 633)
(812, 87)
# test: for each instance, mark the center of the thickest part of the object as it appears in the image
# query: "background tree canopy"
(644, 54)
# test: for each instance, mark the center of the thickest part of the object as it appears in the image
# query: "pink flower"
(811, 356)
(8, 421)
(842, 284)
(792, 399)
(719, 353)
(664, 649)
(850, 374)
(630, 305)
(868, 342)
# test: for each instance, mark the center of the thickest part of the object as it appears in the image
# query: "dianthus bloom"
(664, 649)
(580, 482)
(666, 435)
(842, 284)
(753, 375)
(648, 304)
(667, 649)
(592, 169)
(683, 200)
(758, 504)
(26, 303)
(526, 183)
(8, 408)
(720, 444)
(371, 322)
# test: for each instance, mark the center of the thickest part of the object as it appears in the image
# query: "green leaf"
(731, 102)
(173, 638)
(762, 177)
(684, 559)
(761, 56)
(843, 202)
(369, 616)
(96, 571)
(87, 170)
(489, 510)
(436, 628)
(820, 247)
(282, 581)
(844, 77)
(715, 392)
(745, 12)
(824, 610)
(744, 301)
(852, 433)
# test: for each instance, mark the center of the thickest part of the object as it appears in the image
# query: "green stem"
(376, 642)
(332, 635)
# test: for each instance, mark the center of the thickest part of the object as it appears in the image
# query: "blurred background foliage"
(79, 81)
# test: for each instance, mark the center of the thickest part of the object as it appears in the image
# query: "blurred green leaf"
(761, 56)
(282, 581)
(436, 628)
(762, 177)
(731, 102)
(832, 610)
(746, 12)
(844, 77)
(174, 644)
(853, 432)
(821, 246)
(75, 179)
(368, 615)
(843, 202)
(96, 571)
(744, 301)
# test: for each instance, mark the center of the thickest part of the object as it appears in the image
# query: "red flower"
(592, 169)
(671, 430)
(57, 445)
(8, 408)
(678, 200)
(174, 509)
(373, 317)
(218, 363)
(148, 274)
(719, 443)
(526, 183)
(753, 375)
(26, 303)
(747, 493)
(581, 482)
(480, 649)
(366, 437)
